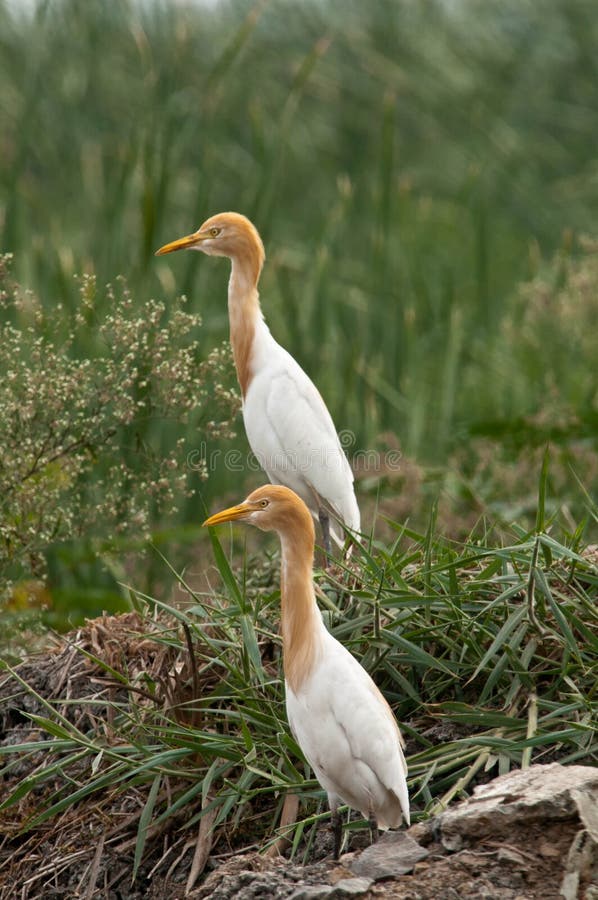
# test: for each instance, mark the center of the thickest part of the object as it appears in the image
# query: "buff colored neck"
(243, 312)
(301, 621)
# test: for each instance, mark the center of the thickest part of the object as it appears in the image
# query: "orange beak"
(182, 243)
(229, 515)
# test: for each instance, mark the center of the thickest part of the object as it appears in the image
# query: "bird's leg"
(325, 526)
(337, 827)
(372, 821)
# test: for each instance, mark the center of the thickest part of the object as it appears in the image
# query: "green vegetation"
(83, 467)
(424, 178)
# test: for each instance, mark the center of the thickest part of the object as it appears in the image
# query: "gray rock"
(587, 806)
(351, 887)
(539, 793)
(345, 888)
(582, 865)
(313, 892)
(394, 854)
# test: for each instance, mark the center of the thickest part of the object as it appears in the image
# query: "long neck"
(244, 313)
(300, 618)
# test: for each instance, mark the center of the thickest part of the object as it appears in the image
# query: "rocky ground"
(526, 835)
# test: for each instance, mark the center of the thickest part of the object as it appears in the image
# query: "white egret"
(338, 716)
(287, 422)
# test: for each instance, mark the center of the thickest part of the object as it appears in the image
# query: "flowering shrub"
(83, 405)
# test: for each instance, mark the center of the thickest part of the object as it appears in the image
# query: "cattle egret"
(338, 716)
(288, 425)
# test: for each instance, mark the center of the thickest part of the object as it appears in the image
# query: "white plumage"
(287, 422)
(338, 716)
(293, 436)
(349, 736)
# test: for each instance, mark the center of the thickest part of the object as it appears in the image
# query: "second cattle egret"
(338, 716)
(288, 424)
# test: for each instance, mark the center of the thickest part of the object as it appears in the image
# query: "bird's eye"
(214, 232)
(264, 503)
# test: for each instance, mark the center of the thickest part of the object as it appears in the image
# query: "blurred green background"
(421, 173)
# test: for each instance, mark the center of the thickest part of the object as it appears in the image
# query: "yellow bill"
(228, 515)
(181, 243)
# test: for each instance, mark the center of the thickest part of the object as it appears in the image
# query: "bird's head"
(225, 234)
(271, 508)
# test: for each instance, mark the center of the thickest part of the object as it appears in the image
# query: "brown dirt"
(529, 866)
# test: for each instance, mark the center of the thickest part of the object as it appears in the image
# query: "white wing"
(293, 436)
(350, 737)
